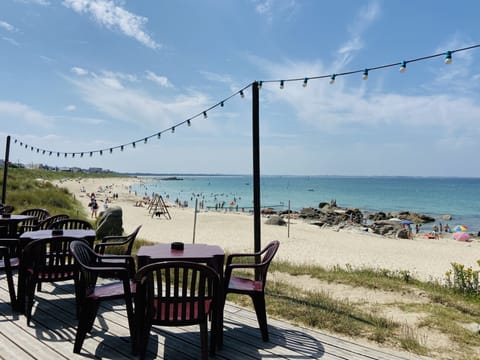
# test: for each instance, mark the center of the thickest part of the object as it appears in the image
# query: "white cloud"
(268, 8)
(36, 2)
(18, 112)
(7, 26)
(126, 103)
(11, 41)
(79, 71)
(70, 108)
(160, 80)
(112, 16)
(364, 18)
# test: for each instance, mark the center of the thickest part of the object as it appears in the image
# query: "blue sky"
(83, 75)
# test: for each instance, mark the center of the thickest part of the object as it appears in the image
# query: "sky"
(80, 76)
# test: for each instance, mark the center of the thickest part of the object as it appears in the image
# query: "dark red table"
(12, 221)
(212, 255)
(29, 236)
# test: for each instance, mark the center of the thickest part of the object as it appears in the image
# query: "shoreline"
(425, 259)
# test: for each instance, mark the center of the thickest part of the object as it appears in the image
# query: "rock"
(275, 220)
(447, 217)
(110, 222)
(402, 234)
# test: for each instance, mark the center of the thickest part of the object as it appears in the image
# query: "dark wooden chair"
(47, 260)
(47, 222)
(5, 265)
(89, 294)
(175, 293)
(254, 287)
(5, 209)
(32, 224)
(124, 244)
(71, 224)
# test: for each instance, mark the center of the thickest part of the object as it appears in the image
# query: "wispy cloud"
(268, 8)
(107, 13)
(36, 2)
(79, 71)
(363, 20)
(70, 108)
(125, 101)
(21, 113)
(6, 26)
(11, 41)
(158, 79)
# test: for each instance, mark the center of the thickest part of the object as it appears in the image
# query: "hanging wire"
(203, 114)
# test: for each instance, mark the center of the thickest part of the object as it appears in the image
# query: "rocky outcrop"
(110, 222)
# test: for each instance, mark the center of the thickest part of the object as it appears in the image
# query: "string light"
(145, 141)
(448, 57)
(189, 123)
(159, 135)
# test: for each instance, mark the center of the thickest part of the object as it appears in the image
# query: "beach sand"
(425, 259)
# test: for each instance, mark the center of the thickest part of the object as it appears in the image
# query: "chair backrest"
(50, 259)
(267, 253)
(86, 259)
(130, 240)
(69, 224)
(40, 214)
(45, 223)
(175, 293)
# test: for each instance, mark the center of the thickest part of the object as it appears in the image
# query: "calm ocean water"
(459, 197)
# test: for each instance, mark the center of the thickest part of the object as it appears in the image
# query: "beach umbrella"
(406, 222)
(460, 228)
(461, 236)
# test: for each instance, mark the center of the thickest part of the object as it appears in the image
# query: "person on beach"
(447, 228)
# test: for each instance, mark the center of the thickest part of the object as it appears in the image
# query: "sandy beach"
(424, 258)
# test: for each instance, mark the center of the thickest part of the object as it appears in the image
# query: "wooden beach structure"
(52, 333)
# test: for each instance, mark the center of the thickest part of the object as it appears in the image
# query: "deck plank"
(52, 334)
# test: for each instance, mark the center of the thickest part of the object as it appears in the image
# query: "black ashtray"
(6, 216)
(56, 232)
(177, 246)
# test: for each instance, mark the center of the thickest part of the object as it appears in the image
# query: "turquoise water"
(459, 197)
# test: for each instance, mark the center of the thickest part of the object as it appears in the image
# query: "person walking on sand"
(94, 207)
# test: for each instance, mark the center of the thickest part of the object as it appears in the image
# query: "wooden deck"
(52, 333)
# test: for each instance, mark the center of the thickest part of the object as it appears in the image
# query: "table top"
(16, 217)
(45, 234)
(190, 251)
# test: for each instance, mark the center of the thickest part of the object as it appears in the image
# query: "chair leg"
(204, 339)
(259, 304)
(143, 334)
(85, 323)
(29, 298)
(8, 272)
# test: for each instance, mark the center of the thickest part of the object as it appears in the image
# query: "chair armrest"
(129, 263)
(100, 247)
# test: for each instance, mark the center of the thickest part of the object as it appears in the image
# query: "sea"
(434, 196)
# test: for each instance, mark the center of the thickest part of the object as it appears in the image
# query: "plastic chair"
(32, 224)
(46, 260)
(90, 295)
(46, 223)
(255, 288)
(6, 266)
(124, 242)
(175, 293)
(71, 224)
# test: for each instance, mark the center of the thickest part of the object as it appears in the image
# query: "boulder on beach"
(275, 220)
(110, 222)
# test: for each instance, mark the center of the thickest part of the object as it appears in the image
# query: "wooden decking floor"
(52, 333)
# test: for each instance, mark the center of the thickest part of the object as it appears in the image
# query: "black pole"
(5, 170)
(256, 166)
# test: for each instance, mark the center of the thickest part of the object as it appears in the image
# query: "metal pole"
(195, 220)
(5, 169)
(289, 214)
(256, 166)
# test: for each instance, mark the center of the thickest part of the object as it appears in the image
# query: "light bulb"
(365, 74)
(448, 57)
(282, 84)
(189, 123)
(205, 115)
(332, 79)
(260, 83)
(305, 81)
(242, 95)
(403, 68)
